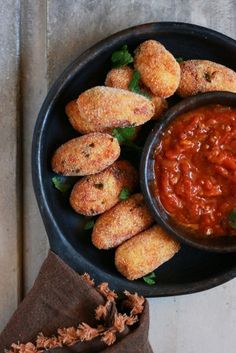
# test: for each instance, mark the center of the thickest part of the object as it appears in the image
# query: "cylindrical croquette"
(205, 76)
(99, 192)
(159, 70)
(145, 252)
(121, 222)
(85, 155)
(107, 107)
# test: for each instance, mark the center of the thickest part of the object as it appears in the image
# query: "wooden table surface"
(38, 39)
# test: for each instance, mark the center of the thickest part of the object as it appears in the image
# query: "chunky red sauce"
(195, 167)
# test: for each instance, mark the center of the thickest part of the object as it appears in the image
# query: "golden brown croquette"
(106, 107)
(158, 68)
(145, 252)
(123, 221)
(99, 192)
(85, 155)
(205, 76)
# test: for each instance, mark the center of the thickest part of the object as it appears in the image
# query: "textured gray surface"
(10, 252)
(34, 89)
(53, 33)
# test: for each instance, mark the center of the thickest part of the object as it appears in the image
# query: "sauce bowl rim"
(147, 175)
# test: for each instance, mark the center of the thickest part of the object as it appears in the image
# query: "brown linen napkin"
(65, 313)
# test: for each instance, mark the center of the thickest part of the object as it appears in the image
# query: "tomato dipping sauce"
(195, 170)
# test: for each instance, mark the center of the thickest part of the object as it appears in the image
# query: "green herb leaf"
(124, 194)
(179, 59)
(134, 84)
(62, 184)
(118, 135)
(89, 224)
(232, 218)
(124, 133)
(150, 279)
(121, 57)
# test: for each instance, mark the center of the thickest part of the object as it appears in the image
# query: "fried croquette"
(123, 221)
(99, 192)
(119, 78)
(107, 107)
(145, 252)
(205, 76)
(85, 155)
(158, 68)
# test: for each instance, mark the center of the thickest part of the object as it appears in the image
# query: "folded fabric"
(64, 313)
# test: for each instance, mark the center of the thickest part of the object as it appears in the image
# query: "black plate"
(190, 270)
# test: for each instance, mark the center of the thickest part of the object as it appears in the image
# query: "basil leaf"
(150, 279)
(124, 194)
(89, 224)
(62, 184)
(134, 85)
(124, 133)
(232, 218)
(121, 57)
(117, 133)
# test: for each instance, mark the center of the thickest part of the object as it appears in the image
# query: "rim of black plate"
(56, 238)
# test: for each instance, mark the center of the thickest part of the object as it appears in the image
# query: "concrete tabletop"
(38, 39)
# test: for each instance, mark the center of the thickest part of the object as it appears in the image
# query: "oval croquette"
(145, 252)
(158, 68)
(97, 193)
(85, 155)
(121, 222)
(107, 107)
(205, 76)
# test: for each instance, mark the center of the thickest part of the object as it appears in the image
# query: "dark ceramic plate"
(191, 270)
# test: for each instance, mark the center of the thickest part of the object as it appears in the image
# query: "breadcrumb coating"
(108, 107)
(145, 252)
(205, 76)
(81, 124)
(99, 192)
(121, 222)
(159, 70)
(119, 78)
(85, 155)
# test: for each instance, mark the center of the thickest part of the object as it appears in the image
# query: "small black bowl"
(218, 244)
